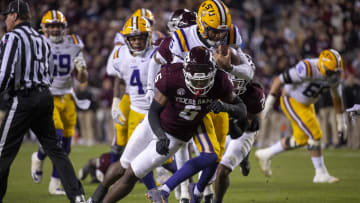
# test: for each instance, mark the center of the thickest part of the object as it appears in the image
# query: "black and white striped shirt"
(25, 59)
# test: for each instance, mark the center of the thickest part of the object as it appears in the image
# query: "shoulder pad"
(303, 69)
(75, 39)
(180, 37)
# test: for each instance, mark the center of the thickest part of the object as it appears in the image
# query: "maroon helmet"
(199, 70)
(181, 18)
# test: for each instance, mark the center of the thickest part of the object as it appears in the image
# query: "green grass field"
(291, 180)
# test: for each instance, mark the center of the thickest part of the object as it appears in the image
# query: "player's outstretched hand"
(149, 96)
(217, 107)
(162, 145)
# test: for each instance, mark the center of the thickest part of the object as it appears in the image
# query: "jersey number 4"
(135, 81)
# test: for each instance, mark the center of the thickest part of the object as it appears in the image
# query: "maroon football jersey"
(104, 162)
(164, 50)
(254, 98)
(184, 111)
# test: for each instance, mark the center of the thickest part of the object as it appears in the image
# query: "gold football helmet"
(137, 26)
(54, 17)
(330, 62)
(146, 13)
(213, 15)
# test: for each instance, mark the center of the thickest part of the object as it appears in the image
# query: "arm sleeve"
(237, 109)
(295, 74)
(154, 118)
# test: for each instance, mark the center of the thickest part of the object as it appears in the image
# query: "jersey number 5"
(190, 111)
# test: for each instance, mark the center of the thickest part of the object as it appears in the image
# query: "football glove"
(116, 113)
(149, 96)
(341, 125)
(218, 106)
(162, 145)
(79, 62)
(269, 104)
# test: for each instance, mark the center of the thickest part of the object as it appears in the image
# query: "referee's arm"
(9, 52)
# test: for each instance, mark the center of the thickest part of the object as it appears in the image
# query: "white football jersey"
(119, 38)
(64, 54)
(185, 39)
(305, 82)
(134, 71)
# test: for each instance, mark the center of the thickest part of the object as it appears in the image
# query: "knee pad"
(291, 143)
(314, 144)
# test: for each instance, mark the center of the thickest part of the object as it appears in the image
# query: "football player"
(213, 30)
(68, 57)
(186, 90)
(242, 134)
(130, 64)
(180, 18)
(302, 86)
(121, 105)
(96, 167)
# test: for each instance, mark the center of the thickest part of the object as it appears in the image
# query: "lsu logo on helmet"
(213, 14)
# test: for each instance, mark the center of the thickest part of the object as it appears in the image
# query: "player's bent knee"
(290, 143)
(210, 157)
(314, 145)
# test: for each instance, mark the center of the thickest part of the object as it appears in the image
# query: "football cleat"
(325, 178)
(157, 196)
(245, 166)
(36, 168)
(81, 174)
(90, 200)
(80, 199)
(264, 161)
(55, 187)
(184, 200)
(209, 198)
(194, 198)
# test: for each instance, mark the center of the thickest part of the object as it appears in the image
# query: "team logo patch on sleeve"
(180, 91)
(300, 69)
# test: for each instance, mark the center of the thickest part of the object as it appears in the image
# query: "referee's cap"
(17, 6)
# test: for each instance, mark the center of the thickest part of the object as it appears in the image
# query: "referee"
(25, 75)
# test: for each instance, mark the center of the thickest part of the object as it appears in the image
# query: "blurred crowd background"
(277, 34)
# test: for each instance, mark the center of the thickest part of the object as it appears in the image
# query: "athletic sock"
(149, 181)
(319, 164)
(276, 148)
